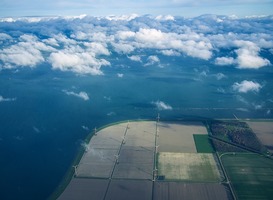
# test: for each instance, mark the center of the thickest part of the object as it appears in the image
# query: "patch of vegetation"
(236, 132)
(203, 143)
(222, 146)
(251, 175)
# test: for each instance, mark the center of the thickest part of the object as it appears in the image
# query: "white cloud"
(51, 42)
(2, 99)
(160, 105)
(246, 86)
(248, 56)
(220, 76)
(97, 48)
(120, 75)
(4, 36)
(26, 53)
(123, 48)
(135, 58)
(224, 61)
(170, 43)
(82, 44)
(170, 52)
(82, 95)
(85, 128)
(151, 60)
(164, 17)
(21, 55)
(78, 62)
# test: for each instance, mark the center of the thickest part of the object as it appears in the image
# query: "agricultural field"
(189, 167)
(203, 144)
(190, 191)
(129, 190)
(264, 131)
(251, 175)
(85, 189)
(121, 161)
(179, 137)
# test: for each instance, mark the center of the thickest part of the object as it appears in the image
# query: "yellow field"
(188, 167)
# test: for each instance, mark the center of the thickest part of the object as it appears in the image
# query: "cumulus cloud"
(2, 99)
(4, 36)
(120, 75)
(220, 76)
(224, 61)
(160, 105)
(123, 48)
(151, 60)
(170, 52)
(246, 86)
(26, 53)
(78, 62)
(190, 43)
(248, 56)
(135, 58)
(82, 95)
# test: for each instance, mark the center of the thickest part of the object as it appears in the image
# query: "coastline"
(71, 173)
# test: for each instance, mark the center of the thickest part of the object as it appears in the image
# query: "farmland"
(202, 143)
(166, 160)
(189, 167)
(251, 175)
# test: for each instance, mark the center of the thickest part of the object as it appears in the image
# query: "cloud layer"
(85, 44)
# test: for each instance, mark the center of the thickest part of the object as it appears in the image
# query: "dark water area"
(43, 123)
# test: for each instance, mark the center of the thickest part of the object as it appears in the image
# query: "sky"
(186, 8)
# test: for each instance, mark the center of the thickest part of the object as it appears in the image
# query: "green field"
(251, 175)
(202, 143)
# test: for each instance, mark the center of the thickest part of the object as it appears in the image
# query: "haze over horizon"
(186, 8)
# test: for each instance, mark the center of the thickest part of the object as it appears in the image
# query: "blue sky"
(187, 8)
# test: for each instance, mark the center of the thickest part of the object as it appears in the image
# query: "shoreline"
(70, 172)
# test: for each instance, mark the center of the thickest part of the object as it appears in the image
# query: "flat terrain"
(85, 189)
(179, 137)
(264, 131)
(203, 144)
(129, 189)
(123, 161)
(190, 167)
(251, 175)
(189, 191)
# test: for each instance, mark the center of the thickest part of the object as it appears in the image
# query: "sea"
(46, 114)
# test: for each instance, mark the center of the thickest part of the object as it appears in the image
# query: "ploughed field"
(172, 160)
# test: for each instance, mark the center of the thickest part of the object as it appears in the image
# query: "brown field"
(140, 134)
(179, 137)
(110, 137)
(264, 131)
(85, 189)
(97, 163)
(192, 191)
(129, 190)
(117, 167)
(135, 163)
